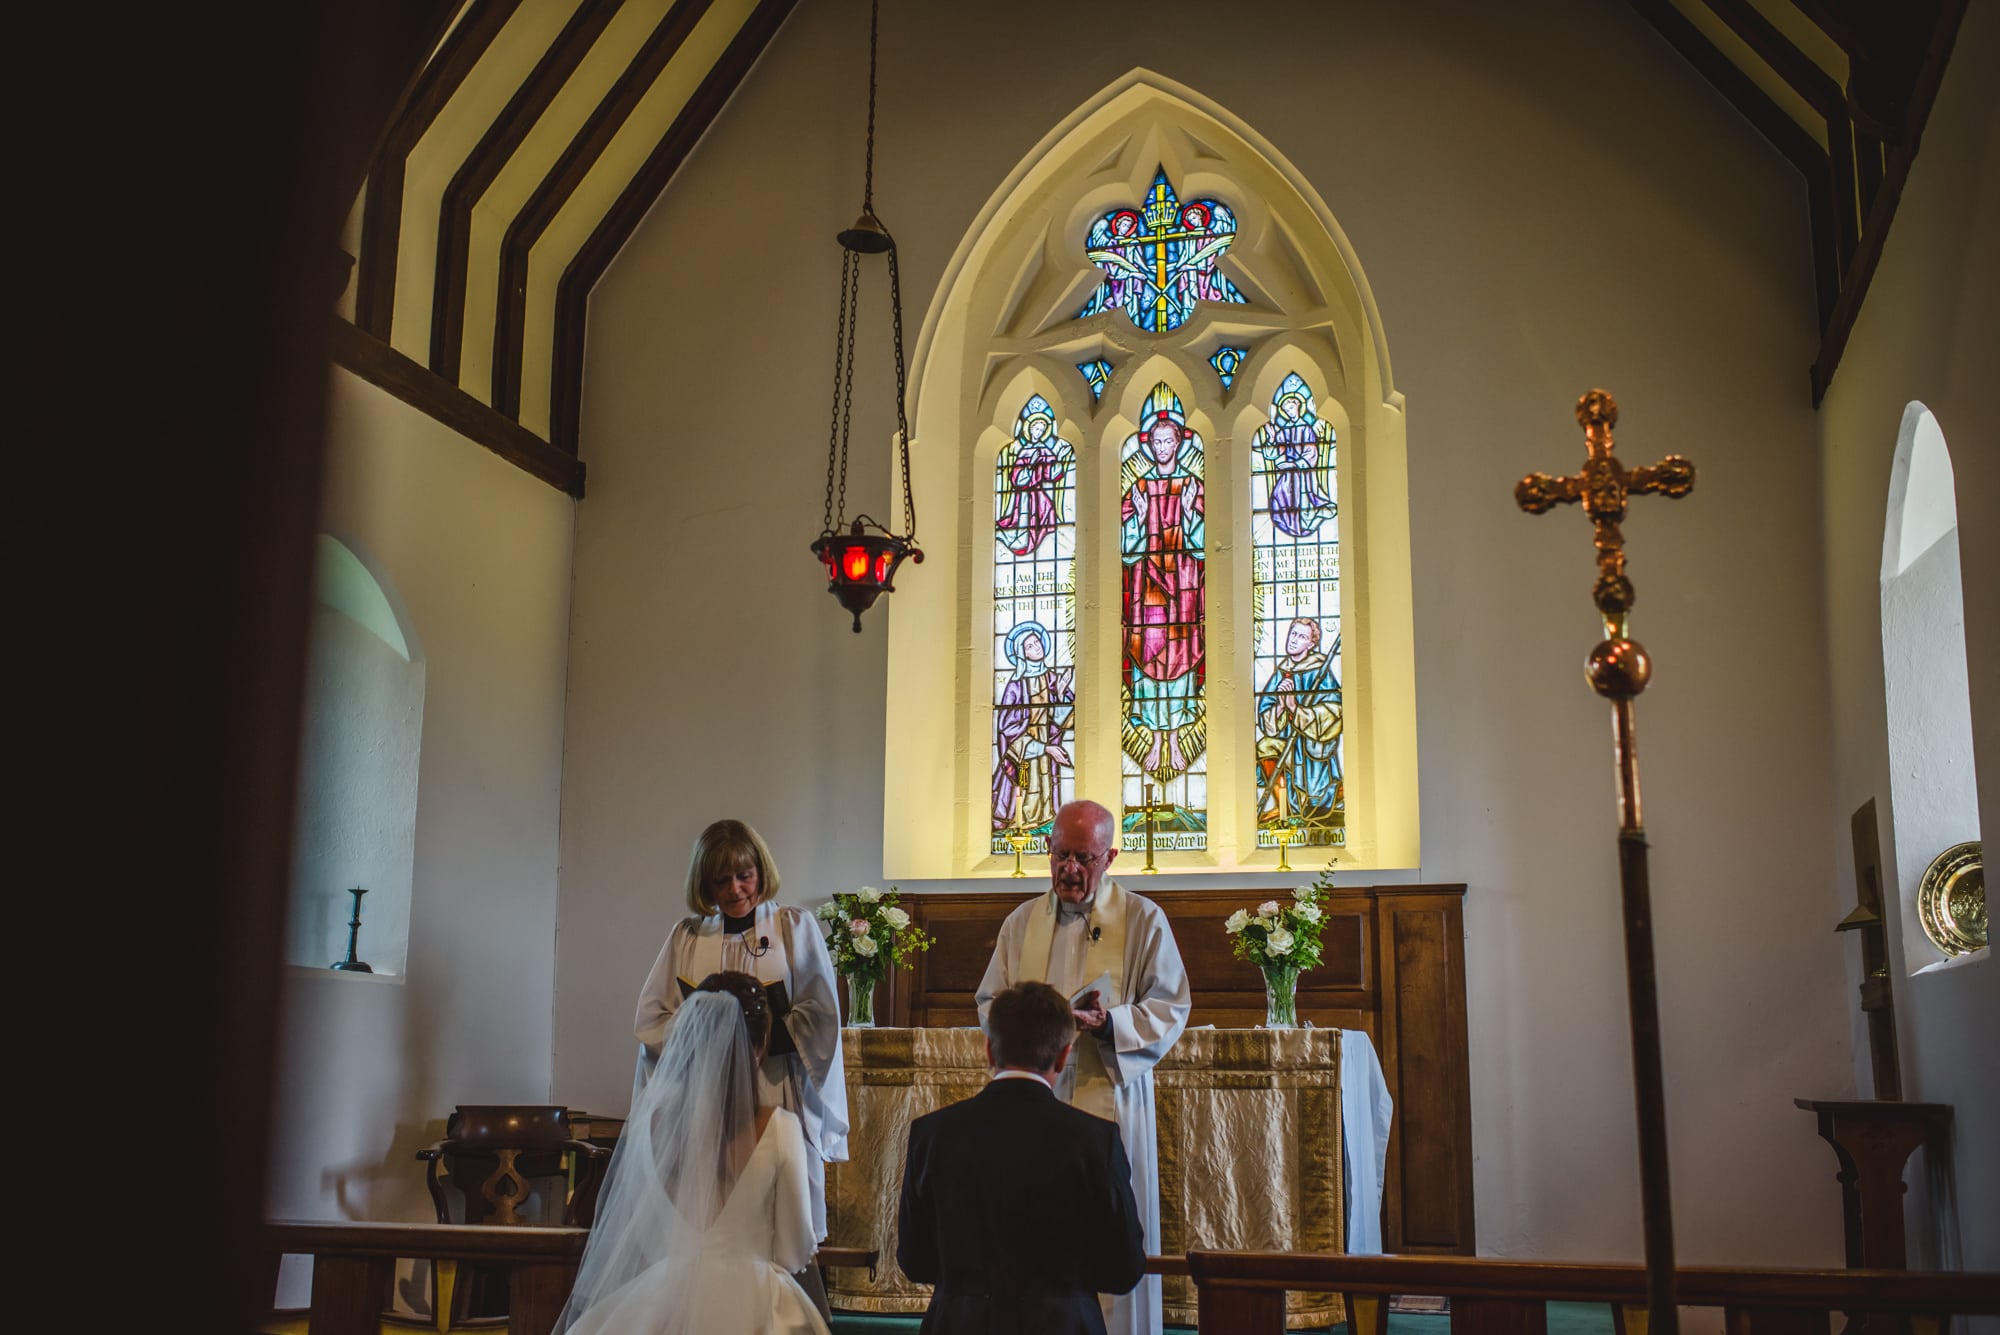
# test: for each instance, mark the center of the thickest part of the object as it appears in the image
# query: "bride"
(705, 1214)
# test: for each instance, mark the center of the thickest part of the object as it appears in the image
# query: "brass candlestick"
(352, 964)
(1018, 840)
(1282, 837)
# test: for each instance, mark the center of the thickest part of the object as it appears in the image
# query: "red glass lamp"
(861, 555)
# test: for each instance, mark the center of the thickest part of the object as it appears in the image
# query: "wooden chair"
(496, 1156)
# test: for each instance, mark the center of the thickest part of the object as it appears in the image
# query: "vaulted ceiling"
(539, 132)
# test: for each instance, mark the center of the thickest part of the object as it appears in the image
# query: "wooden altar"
(1393, 966)
(1249, 1135)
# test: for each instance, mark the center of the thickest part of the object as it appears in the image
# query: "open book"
(1103, 986)
(781, 1006)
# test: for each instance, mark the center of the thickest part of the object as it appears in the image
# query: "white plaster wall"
(479, 554)
(1930, 332)
(1544, 198)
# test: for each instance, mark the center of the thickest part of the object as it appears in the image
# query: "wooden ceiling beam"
(1861, 272)
(382, 210)
(380, 365)
(482, 166)
(1776, 125)
(619, 221)
(560, 184)
(1823, 93)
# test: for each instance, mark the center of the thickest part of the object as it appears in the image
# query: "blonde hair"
(724, 848)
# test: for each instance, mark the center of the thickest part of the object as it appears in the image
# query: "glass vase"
(1281, 1007)
(860, 1001)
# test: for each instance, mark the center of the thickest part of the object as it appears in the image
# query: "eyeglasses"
(1060, 855)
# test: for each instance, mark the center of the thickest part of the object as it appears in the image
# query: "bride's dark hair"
(750, 996)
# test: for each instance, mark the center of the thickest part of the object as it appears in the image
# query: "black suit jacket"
(1019, 1209)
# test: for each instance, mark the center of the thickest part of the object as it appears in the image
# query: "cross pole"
(1618, 669)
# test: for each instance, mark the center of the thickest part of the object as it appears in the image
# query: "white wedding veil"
(682, 1148)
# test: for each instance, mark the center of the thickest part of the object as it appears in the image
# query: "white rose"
(869, 894)
(1236, 922)
(1279, 942)
(864, 945)
(896, 918)
(859, 927)
(1266, 923)
(1268, 909)
(827, 912)
(1308, 911)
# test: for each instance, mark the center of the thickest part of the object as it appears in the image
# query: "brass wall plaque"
(1951, 900)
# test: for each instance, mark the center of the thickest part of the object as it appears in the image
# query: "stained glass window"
(1164, 671)
(1295, 620)
(1097, 375)
(1227, 362)
(1159, 259)
(1034, 627)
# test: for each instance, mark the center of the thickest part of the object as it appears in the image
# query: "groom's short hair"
(1029, 1025)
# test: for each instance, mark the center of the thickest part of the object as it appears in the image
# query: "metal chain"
(902, 396)
(842, 372)
(851, 302)
(868, 178)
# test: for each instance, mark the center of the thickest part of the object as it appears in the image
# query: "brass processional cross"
(1618, 669)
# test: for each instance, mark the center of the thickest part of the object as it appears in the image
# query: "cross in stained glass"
(1227, 362)
(1097, 375)
(1159, 260)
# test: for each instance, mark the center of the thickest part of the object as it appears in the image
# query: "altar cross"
(1148, 810)
(1603, 485)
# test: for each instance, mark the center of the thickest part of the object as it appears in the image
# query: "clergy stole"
(1090, 1086)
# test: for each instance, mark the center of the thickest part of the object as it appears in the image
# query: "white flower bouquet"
(868, 935)
(1282, 940)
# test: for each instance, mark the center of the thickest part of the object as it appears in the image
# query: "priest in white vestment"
(1089, 936)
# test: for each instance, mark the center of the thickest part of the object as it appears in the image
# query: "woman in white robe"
(737, 924)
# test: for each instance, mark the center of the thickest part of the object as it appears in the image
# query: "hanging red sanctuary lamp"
(861, 555)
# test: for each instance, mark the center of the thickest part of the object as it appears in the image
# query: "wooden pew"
(1243, 1293)
(354, 1265)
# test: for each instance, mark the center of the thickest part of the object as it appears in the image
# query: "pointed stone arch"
(1008, 301)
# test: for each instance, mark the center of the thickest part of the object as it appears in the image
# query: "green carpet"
(1564, 1319)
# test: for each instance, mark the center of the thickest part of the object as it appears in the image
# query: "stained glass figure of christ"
(1034, 624)
(1295, 623)
(1159, 259)
(1163, 553)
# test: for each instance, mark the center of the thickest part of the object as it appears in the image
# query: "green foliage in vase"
(1279, 935)
(868, 935)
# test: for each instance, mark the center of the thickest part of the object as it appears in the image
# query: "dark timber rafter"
(1897, 54)
(610, 115)
(573, 292)
(482, 167)
(382, 212)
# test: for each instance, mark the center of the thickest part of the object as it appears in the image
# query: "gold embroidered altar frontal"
(1249, 1149)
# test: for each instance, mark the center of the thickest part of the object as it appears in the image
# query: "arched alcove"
(1934, 795)
(361, 740)
(1009, 318)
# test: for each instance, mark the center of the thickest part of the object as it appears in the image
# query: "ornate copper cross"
(1603, 485)
(1618, 669)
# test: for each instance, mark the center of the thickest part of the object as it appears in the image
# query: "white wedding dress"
(741, 1278)
(692, 1236)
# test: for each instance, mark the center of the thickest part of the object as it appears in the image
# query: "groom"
(1016, 1206)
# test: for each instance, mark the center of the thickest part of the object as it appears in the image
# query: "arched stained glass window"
(1295, 616)
(1164, 730)
(1159, 259)
(1034, 626)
